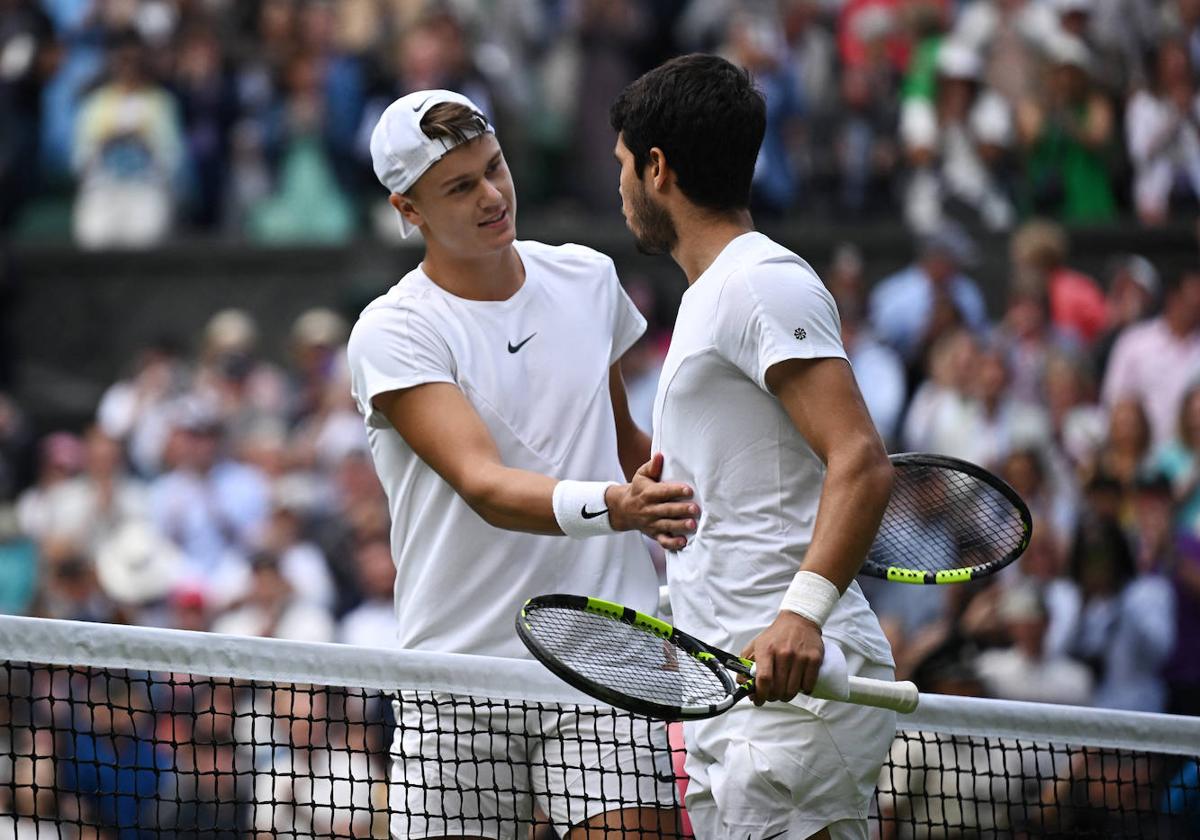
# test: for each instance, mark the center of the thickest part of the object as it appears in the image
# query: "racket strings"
(623, 658)
(941, 518)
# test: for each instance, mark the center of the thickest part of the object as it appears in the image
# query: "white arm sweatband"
(812, 596)
(580, 509)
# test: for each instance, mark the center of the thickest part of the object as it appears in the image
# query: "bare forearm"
(512, 499)
(858, 484)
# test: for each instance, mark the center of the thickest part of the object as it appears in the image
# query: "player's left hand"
(787, 658)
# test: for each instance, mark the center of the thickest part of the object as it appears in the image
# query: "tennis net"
(120, 732)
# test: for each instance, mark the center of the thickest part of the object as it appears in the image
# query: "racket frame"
(722, 664)
(899, 574)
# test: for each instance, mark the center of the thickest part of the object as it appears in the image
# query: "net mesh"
(941, 518)
(88, 751)
(648, 668)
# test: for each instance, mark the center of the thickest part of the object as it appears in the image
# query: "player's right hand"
(662, 510)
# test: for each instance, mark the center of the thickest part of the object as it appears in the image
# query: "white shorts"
(788, 771)
(481, 772)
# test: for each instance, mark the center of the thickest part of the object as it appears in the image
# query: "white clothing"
(370, 624)
(1165, 148)
(720, 430)
(784, 770)
(300, 621)
(536, 369)
(1011, 675)
(582, 765)
(1141, 641)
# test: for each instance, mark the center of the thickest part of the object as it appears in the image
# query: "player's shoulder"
(413, 298)
(568, 258)
(761, 264)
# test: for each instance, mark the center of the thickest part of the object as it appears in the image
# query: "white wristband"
(812, 596)
(580, 509)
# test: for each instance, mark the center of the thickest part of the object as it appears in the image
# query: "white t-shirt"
(720, 430)
(535, 367)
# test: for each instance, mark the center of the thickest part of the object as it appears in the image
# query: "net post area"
(120, 732)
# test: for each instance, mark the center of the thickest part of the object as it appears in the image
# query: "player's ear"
(407, 209)
(657, 169)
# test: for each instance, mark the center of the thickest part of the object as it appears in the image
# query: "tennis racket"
(948, 521)
(643, 665)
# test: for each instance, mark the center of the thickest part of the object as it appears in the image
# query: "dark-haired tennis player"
(758, 410)
(487, 370)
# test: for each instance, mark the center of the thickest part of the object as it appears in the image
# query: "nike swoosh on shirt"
(587, 514)
(513, 348)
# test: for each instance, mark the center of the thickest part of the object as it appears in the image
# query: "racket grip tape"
(901, 697)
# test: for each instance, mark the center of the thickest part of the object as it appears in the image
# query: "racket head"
(948, 521)
(628, 659)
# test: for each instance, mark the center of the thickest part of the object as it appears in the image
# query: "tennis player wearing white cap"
(757, 407)
(488, 370)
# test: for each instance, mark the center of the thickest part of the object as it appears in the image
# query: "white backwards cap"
(400, 151)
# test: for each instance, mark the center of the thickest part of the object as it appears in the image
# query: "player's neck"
(495, 276)
(702, 238)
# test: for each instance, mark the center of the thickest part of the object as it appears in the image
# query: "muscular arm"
(633, 445)
(822, 399)
(446, 432)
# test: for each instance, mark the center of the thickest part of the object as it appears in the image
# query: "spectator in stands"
(1141, 636)
(1133, 291)
(60, 459)
(233, 377)
(1155, 361)
(1025, 671)
(1039, 250)
(955, 144)
(863, 138)
(1126, 448)
(1162, 131)
(68, 589)
(1179, 462)
(318, 343)
(273, 607)
(127, 153)
(1009, 34)
(1077, 424)
(1043, 566)
(1101, 563)
(1033, 470)
(208, 105)
(137, 410)
(941, 400)
(307, 203)
(373, 622)
(755, 41)
(878, 369)
(1068, 134)
(301, 562)
(94, 503)
(910, 309)
(109, 758)
(1182, 672)
(207, 504)
(28, 43)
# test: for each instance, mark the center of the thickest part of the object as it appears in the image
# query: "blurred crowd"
(215, 490)
(251, 118)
